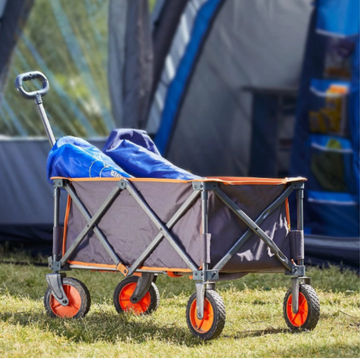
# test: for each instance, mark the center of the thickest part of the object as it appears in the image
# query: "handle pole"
(45, 120)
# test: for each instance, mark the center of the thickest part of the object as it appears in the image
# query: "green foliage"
(254, 325)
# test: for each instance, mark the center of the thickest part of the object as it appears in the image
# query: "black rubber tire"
(219, 317)
(153, 292)
(313, 309)
(84, 296)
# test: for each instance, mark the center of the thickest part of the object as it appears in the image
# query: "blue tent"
(225, 87)
(326, 145)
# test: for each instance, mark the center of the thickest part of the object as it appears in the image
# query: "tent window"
(66, 40)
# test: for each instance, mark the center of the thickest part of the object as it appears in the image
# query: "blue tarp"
(136, 136)
(140, 162)
(127, 153)
(76, 158)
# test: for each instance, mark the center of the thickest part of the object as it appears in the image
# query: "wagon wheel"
(79, 300)
(124, 291)
(309, 309)
(212, 324)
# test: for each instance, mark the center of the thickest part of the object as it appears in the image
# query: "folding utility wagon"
(211, 229)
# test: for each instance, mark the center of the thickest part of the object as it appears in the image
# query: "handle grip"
(20, 79)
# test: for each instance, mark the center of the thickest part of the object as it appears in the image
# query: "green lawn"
(254, 324)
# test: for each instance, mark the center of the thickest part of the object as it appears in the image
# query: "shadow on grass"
(117, 328)
(330, 280)
(110, 328)
(29, 280)
(257, 333)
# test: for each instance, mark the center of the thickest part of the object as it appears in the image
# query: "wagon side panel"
(129, 230)
(226, 228)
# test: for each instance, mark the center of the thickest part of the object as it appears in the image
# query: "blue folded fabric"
(136, 136)
(140, 162)
(76, 158)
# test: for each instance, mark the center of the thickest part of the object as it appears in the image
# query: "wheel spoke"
(124, 299)
(143, 308)
(201, 324)
(56, 306)
(127, 292)
(295, 316)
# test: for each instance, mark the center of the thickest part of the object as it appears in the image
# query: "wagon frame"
(206, 276)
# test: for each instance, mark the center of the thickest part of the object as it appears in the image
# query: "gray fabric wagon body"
(129, 230)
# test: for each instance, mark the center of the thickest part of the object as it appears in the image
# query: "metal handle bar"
(37, 95)
(20, 79)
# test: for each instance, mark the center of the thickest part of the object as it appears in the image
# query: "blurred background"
(266, 88)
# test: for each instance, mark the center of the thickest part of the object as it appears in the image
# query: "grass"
(254, 325)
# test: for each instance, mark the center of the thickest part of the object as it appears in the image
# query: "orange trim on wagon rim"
(228, 180)
(107, 266)
(115, 179)
(222, 179)
(67, 212)
(179, 270)
(145, 268)
(287, 211)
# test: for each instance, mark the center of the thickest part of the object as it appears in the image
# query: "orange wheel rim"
(202, 325)
(70, 310)
(300, 317)
(126, 305)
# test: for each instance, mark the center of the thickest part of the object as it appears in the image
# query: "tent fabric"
(270, 139)
(12, 22)
(213, 128)
(75, 46)
(332, 213)
(171, 60)
(335, 250)
(215, 112)
(20, 194)
(338, 20)
(176, 89)
(138, 70)
(117, 24)
(163, 29)
(73, 157)
(129, 230)
(325, 148)
(354, 116)
(26, 211)
(140, 162)
(130, 61)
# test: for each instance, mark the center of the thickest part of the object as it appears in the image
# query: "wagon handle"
(37, 95)
(20, 79)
